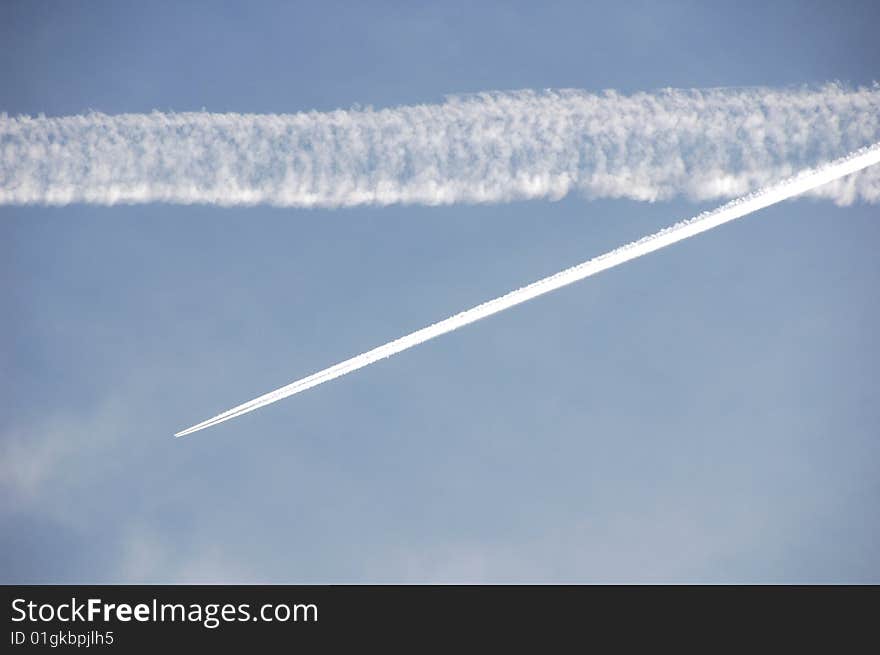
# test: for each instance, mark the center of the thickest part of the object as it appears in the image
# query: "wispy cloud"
(803, 182)
(490, 147)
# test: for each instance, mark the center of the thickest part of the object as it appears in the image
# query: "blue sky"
(707, 413)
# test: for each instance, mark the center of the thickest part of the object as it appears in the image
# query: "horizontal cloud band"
(490, 147)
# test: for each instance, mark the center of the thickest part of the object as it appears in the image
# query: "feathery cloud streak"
(489, 147)
(800, 183)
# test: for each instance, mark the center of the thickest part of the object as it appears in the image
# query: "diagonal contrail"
(804, 181)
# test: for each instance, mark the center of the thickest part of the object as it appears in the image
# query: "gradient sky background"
(707, 413)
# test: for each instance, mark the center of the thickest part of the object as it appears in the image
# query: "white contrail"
(489, 147)
(804, 181)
